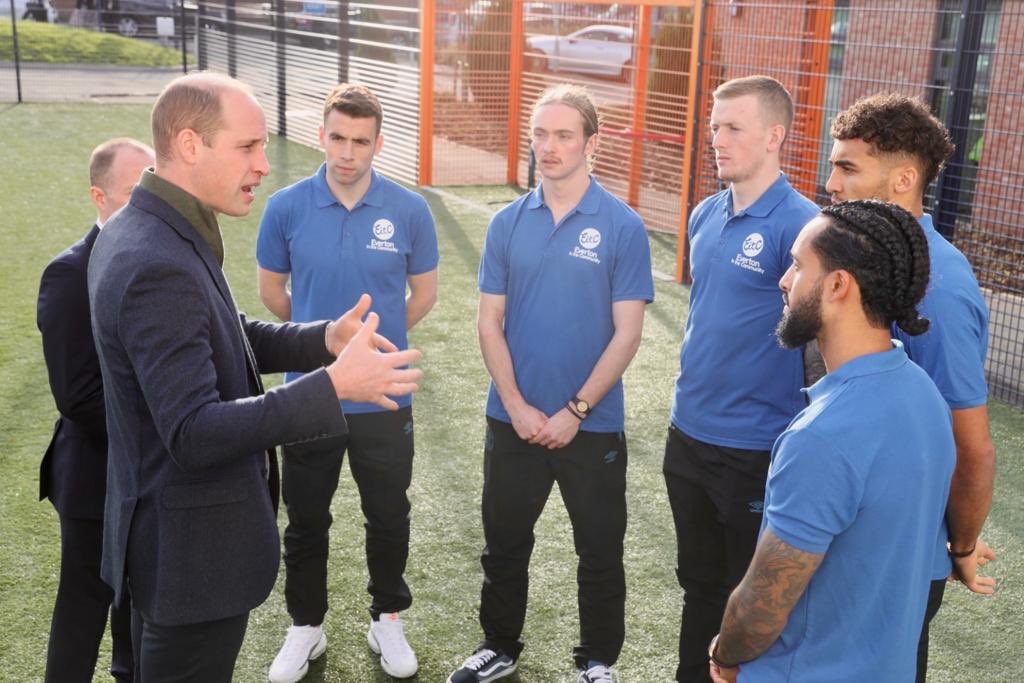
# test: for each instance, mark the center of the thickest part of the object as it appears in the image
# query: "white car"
(602, 49)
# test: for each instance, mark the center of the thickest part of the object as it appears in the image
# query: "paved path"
(74, 82)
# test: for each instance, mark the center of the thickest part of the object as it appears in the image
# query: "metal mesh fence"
(292, 53)
(120, 50)
(473, 48)
(963, 57)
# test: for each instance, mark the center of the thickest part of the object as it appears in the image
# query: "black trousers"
(190, 653)
(935, 593)
(591, 476)
(81, 609)
(717, 498)
(380, 450)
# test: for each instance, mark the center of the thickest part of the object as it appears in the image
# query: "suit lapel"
(148, 201)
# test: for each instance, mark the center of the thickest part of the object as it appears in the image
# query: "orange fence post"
(696, 87)
(811, 89)
(515, 92)
(641, 65)
(427, 26)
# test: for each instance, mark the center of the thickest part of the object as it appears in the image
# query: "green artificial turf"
(46, 208)
(59, 44)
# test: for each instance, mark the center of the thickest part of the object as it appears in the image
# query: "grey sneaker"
(484, 665)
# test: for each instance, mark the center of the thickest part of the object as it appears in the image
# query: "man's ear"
(839, 284)
(98, 197)
(379, 144)
(186, 144)
(904, 178)
(776, 136)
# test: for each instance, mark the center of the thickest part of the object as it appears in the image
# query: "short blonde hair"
(191, 101)
(101, 161)
(776, 102)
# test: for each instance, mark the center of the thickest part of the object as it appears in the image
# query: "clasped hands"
(533, 426)
(368, 367)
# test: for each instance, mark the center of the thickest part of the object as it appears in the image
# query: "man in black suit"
(192, 490)
(73, 474)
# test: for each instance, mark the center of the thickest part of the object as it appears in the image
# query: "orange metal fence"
(458, 78)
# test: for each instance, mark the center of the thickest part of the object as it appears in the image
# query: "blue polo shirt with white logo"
(953, 349)
(737, 387)
(862, 476)
(560, 282)
(335, 255)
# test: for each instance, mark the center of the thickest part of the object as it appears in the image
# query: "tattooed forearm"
(759, 607)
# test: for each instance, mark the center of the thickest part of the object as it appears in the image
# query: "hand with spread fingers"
(364, 374)
(344, 328)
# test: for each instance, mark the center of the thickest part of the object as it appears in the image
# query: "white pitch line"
(476, 206)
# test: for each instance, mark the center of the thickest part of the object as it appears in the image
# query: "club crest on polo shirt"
(383, 231)
(751, 247)
(589, 240)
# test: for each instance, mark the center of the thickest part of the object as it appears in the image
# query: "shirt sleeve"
(953, 349)
(271, 242)
(493, 275)
(424, 256)
(792, 222)
(813, 491)
(631, 278)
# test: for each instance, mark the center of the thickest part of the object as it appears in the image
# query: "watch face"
(583, 406)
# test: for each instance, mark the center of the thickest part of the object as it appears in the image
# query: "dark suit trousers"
(80, 613)
(190, 653)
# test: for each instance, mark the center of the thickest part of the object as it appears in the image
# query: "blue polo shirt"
(953, 349)
(335, 255)
(560, 282)
(861, 475)
(737, 387)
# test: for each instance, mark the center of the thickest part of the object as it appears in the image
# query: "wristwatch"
(581, 406)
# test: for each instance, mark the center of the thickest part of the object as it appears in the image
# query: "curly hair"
(896, 124)
(886, 251)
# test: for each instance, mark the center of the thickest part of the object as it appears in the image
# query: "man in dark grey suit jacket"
(73, 473)
(192, 491)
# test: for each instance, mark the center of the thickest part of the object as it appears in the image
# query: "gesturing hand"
(340, 331)
(363, 374)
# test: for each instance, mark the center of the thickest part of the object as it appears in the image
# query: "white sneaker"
(302, 645)
(597, 674)
(386, 637)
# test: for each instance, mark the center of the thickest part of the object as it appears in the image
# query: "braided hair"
(886, 251)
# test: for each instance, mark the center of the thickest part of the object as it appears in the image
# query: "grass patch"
(46, 208)
(57, 44)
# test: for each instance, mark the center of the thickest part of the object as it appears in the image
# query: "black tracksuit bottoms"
(518, 476)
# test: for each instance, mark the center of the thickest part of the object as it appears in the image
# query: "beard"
(801, 323)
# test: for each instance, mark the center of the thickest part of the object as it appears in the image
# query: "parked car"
(30, 10)
(136, 18)
(601, 49)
